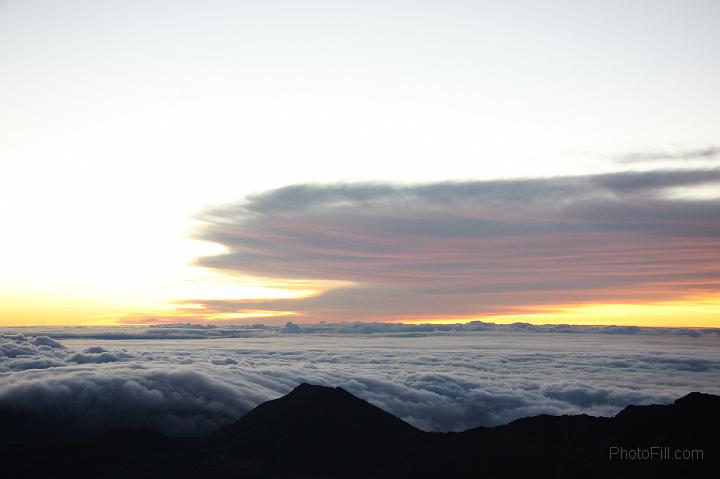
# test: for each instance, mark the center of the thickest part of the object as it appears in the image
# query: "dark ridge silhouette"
(322, 432)
(326, 413)
(314, 427)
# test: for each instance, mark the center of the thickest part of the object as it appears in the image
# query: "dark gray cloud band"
(475, 247)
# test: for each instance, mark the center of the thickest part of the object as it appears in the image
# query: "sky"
(230, 161)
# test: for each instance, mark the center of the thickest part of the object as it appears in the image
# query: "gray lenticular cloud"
(473, 248)
(437, 379)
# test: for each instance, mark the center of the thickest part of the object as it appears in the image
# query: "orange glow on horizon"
(699, 311)
(18, 309)
(239, 316)
(695, 312)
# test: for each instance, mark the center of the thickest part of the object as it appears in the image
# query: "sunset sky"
(274, 161)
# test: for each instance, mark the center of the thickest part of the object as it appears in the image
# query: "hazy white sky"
(119, 120)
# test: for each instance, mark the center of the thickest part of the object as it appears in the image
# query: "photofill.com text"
(655, 453)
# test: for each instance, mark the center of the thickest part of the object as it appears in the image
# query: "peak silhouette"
(293, 429)
(320, 412)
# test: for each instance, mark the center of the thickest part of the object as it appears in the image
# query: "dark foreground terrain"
(317, 431)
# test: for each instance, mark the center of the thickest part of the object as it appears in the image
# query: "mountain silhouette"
(304, 429)
(321, 414)
(324, 432)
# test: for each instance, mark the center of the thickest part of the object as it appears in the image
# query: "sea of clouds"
(192, 379)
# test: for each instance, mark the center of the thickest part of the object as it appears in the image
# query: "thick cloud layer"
(437, 380)
(474, 248)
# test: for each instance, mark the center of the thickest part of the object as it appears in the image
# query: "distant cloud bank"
(225, 331)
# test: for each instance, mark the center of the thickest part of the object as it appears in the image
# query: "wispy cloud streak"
(707, 153)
